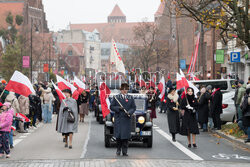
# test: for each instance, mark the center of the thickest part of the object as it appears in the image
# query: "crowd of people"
(19, 114)
(186, 111)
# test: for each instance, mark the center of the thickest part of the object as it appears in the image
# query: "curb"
(240, 142)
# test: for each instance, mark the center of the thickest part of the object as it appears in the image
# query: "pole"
(49, 61)
(31, 25)
(178, 48)
(213, 54)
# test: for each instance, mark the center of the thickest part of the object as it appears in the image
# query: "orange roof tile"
(16, 8)
(116, 11)
(160, 10)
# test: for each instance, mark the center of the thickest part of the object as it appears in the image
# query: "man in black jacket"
(216, 107)
(124, 106)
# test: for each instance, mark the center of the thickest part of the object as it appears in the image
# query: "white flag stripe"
(19, 77)
(60, 79)
(79, 83)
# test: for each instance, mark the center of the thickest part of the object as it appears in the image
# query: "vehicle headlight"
(113, 119)
(141, 119)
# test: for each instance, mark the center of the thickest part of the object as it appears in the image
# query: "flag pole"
(2, 93)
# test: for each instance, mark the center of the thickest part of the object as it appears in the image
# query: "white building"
(92, 47)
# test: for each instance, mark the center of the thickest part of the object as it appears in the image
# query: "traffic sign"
(235, 57)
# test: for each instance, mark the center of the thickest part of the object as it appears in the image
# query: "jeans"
(248, 132)
(47, 114)
(210, 123)
(4, 142)
(11, 137)
(239, 111)
(204, 126)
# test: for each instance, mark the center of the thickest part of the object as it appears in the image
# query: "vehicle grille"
(133, 123)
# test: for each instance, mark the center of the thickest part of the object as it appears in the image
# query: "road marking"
(228, 156)
(179, 145)
(87, 139)
(15, 142)
(22, 137)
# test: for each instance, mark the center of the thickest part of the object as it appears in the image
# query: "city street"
(46, 144)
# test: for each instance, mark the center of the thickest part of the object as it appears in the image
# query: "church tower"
(116, 16)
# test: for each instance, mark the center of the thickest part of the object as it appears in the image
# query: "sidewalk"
(120, 162)
(232, 139)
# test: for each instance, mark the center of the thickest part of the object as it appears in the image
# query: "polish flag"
(161, 87)
(184, 80)
(153, 80)
(13, 128)
(84, 79)
(104, 98)
(59, 92)
(142, 82)
(194, 77)
(20, 84)
(196, 90)
(79, 84)
(23, 117)
(63, 84)
(178, 81)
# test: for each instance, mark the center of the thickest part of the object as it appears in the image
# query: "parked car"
(226, 85)
(228, 108)
(142, 127)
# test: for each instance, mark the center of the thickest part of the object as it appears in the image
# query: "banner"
(219, 56)
(26, 61)
(45, 67)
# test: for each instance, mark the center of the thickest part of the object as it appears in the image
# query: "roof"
(78, 47)
(16, 8)
(116, 11)
(160, 10)
(120, 32)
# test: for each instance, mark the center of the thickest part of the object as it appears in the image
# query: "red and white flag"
(142, 82)
(63, 84)
(59, 92)
(84, 79)
(161, 87)
(196, 90)
(194, 78)
(23, 117)
(184, 80)
(20, 84)
(179, 84)
(153, 80)
(104, 98)
(116, 59)
(79, 84)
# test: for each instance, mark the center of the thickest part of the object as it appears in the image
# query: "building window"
(70, 53)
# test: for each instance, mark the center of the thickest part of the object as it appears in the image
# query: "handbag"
(71, 116)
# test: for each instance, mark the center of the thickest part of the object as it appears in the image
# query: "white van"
(226, 85)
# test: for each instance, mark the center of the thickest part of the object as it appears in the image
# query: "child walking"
(6, 118)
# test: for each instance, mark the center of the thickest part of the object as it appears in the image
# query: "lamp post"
(31, 62)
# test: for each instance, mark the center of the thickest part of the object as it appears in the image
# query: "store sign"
(26, 61)
(183, 64)
(219, 56)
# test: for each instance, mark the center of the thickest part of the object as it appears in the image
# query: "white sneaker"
(8, 156)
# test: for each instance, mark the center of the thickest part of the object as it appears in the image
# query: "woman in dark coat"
(246, 113)
(83, 107)
(152, 98)
(189, 126)
(173, 113)
(203, 109)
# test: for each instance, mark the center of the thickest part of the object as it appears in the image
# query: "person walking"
(152, 102)
(6, 118)
(83, 107)
(245, 107)
(216, 107)
(48, 99)
(209, 89)
(189, 125)
(240, 94)
(173, 113)
(203, 109)
(64, 126)
(124, 106)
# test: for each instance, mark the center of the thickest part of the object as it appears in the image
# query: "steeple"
(160, 10)
(116, 16)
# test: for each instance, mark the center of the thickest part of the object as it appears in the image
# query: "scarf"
(174, 98)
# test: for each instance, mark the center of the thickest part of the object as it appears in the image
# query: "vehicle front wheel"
(107, 139)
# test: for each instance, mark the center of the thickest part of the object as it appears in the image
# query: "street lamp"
(31, 28)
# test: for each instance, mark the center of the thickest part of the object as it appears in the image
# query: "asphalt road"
(46, 144)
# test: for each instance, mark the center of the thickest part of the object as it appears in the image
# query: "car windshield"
(221, 84)
(140, 104)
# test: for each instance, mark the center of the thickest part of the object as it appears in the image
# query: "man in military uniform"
(124, 106)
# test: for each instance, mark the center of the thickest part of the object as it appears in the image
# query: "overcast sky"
(60, 13)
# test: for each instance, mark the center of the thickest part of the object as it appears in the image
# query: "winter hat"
(7, 104)
(67, 91)
(209, 87)
(241, 81)
(170, 90)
